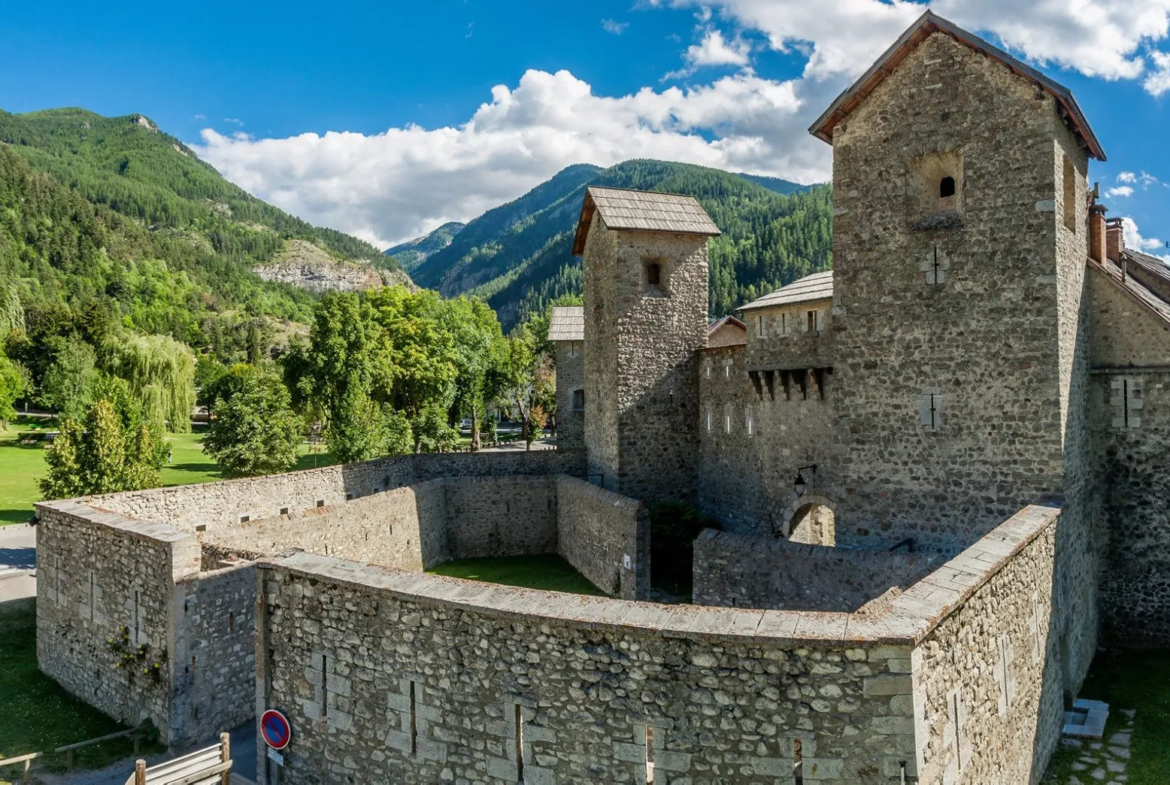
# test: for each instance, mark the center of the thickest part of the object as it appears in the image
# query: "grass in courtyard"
(1138, 680)
(36, 715)
(21, 465)
(548, 572)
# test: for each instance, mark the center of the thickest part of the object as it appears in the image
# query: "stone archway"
(810, 519)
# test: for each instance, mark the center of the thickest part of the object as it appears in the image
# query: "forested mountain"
(776, 184)
(137, 171)
(517, 256)
(412, 253)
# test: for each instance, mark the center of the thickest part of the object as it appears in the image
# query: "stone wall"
(407, 679)
(605, 536)
(403, 529)
(214, 659)
(752, 442)
(220, 504)
(1134, 461)
(570, 361)
(641, 364)
(388, 677)
(971, 303)
(987, 679)
(501, 516)
(734, 570)
(1123, 332)
(105, 587)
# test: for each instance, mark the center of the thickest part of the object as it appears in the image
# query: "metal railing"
(68, 749)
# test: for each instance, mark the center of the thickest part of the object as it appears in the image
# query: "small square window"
(320, 502)
(349, 497)
(245, 518)
(284, 510)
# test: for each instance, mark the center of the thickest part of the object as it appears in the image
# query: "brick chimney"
(1113, 242)
(1097, 232)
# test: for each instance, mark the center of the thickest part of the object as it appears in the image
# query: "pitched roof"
(730, 320)
(1134, 289)
(646, 210)
(926, 25)
(818, 286)
(567, 323)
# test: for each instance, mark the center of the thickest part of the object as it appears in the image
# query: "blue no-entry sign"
(275, 729)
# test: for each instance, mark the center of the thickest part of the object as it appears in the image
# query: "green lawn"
(551, 573)
(36, 715)
(1138, 680)
(21, 465)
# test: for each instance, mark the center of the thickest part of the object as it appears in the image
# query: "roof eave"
(926, 25)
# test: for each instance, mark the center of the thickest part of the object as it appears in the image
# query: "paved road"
(18, 561)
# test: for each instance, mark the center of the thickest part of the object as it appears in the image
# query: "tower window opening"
(1069, 176)
(578, 400)
(946, 187)
(653, 274)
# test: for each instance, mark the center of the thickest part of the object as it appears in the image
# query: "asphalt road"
(18, 561)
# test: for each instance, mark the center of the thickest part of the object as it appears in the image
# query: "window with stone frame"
(655, 276)
(578, 400)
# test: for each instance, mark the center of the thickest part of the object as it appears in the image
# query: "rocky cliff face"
(303, 264)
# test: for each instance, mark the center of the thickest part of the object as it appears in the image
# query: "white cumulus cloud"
(1119, 191)
(714, 49)
(613, 27)
(1134, 239)
(397, 184)
(1158, 80)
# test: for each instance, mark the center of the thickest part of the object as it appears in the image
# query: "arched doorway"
(811, 520)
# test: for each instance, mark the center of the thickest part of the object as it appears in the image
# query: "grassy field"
(36, 715)
(1136, 680)
(21, 465)
(551, 573)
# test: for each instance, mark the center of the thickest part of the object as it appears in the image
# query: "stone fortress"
(941, 471)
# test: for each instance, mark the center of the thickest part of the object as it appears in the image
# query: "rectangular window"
(727, 418)
(320, 502)
(749, 421)
(784, 324)
(578, 400)
(245, 518)
(798, 761)
(519, 744)
(413, 719)
(929, 414)
(284, 510)
(709, 420)
(649, 755)
(759, 326)
(1070, 195)
(813, 321)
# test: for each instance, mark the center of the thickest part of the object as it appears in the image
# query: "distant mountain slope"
(785, 187)
(517, 256)
(128, 165)
(412, 253)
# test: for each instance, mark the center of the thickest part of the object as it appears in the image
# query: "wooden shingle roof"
(928, 24)
(811, 288)
(646, 210)
(567, 323)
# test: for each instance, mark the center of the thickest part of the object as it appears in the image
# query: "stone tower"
(645, 313)
(960, 247)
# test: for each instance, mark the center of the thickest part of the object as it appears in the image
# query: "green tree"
(68, 385)
(479, 349)
(161, 375)
(11, 311)
(101, 455)
(255, 431)
(526, 380)
(12, 387)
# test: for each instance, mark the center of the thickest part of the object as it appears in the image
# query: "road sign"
(275, 729)
(275, 757)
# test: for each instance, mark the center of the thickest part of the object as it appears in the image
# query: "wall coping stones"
(143, 529)
(909, 618)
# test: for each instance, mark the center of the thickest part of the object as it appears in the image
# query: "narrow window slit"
(413, 721)
(798, 761)
(519, 743)
(324, 686)
(649, 755)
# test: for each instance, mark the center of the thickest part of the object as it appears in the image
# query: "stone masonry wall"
(570, 361)
(501, 516)
(605, 536)
(104, 589)
(987, 680)
(733, 570)
(1135, 465)
(214, 656)
(403, 529)
(751, 442)
(1123, 333)
(390, 677)
(220, 504)
(966, 303)
(389, 683)
(641, 362)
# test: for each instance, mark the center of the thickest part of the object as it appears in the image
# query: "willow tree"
(161, 374)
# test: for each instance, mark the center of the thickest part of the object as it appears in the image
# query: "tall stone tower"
(645, 313)
(959, 251)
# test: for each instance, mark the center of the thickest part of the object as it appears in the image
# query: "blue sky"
(386, 119)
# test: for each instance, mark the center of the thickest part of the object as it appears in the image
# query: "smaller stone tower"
(645, 264)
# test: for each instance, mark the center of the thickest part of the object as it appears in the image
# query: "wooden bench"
(209, 766)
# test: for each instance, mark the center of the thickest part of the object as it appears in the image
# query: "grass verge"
(36, 714)
(548, 572)
(1138, 680)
